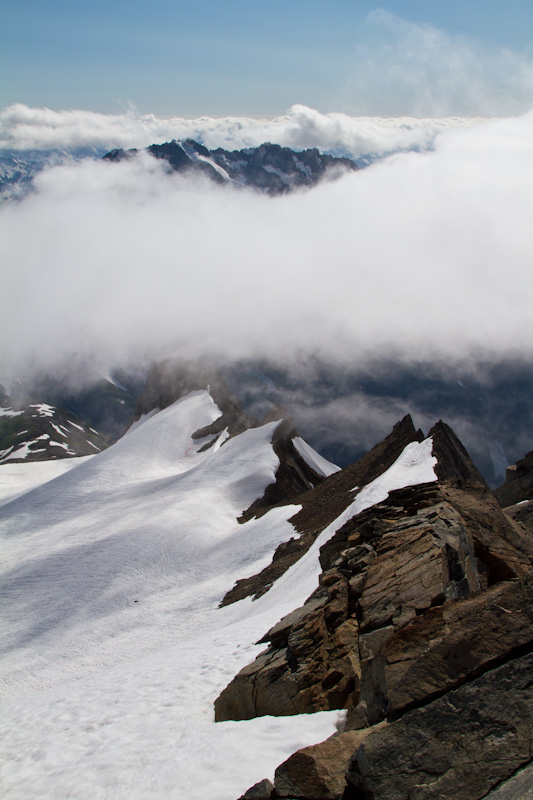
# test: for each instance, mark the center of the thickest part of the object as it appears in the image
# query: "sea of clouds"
(424, 254)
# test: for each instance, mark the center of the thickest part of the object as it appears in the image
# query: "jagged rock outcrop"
(382, 569)
(404, 667)
(518, 485)
(323, 503)
(421, 625)
(269, 168)
(294, 475)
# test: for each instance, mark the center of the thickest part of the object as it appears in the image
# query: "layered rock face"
(422, 628)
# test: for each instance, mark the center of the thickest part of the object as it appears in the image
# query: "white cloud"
(397, 68)
(403, 67)
(426, 255)
(40, 128)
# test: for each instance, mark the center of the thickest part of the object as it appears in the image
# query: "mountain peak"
(169, 380)
(269, 168)
(453, 461)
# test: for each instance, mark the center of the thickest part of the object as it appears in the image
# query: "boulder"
(318, 772)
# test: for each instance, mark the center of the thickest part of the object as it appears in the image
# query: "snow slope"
(114, 647)
(18, 479)
(321, 465)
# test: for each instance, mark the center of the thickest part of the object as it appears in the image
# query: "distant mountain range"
(19, 167)
(47, 420)
(268, 168)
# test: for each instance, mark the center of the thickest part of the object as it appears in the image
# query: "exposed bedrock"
(422, 628)
(393, 571)
(459, 746)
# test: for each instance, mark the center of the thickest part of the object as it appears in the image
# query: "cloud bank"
(426, 78)
(26, 128)
(420, 255)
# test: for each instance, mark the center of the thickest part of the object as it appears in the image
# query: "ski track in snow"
(115, 648)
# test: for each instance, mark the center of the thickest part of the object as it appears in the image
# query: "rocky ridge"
(421, 628)
(270, 168)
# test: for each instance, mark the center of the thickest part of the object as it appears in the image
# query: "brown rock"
(318, 772)
(453, 462)
(445, 647)
(382, 632)
(387, 567)
(518, 484)
(327, 501)
(311, 665)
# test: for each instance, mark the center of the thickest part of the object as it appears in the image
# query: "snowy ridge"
(115, 649)
(320, 464)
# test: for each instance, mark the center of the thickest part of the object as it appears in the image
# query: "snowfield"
(17, 479)
(114, 647)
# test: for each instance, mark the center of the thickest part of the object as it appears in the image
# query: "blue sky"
(257, 58)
